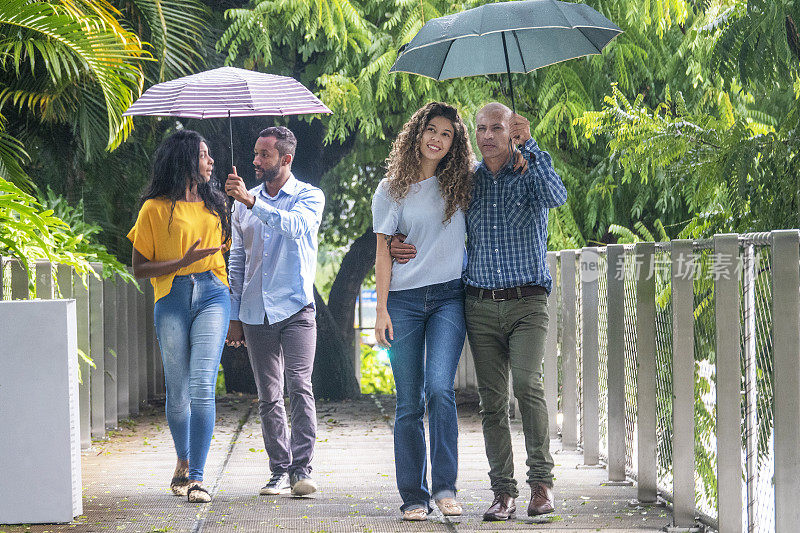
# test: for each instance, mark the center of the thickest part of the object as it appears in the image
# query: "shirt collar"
(506, 168)
(289, 188)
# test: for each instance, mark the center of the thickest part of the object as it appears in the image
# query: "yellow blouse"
(159, 239)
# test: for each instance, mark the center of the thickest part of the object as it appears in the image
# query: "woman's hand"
(144, 268)
(383, 324)
(195, 254)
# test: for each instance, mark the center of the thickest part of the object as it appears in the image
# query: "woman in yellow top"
(178, 238)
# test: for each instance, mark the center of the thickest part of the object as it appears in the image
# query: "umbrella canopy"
(227, 92)
(505, 37)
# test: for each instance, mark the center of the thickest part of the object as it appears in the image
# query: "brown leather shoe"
(541, 500)
(502, 508)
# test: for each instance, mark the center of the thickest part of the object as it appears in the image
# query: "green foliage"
(219, 387)
(718, 164)
(376, 375)
(63, 119)
(31, 232)
(76, 55)
(87, 245)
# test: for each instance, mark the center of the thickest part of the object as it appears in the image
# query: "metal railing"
(683, 349)
(664, 362)
(115, 330)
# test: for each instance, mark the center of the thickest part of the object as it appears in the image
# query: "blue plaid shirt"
(507, 223)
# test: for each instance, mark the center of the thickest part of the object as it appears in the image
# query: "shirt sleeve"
(304, 217)
(544, 183)
(385, 211)
(236, 265)
(141, 234)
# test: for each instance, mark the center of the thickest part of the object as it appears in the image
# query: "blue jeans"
(191, 323)
(429, 330)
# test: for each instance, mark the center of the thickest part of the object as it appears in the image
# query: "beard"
(270, 173)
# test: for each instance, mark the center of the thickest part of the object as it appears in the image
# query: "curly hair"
(454, 172)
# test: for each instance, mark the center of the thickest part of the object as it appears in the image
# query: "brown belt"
(512, 293)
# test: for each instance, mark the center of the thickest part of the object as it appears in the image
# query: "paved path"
(125, 481)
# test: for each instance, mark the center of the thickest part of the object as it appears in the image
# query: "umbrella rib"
(599, 50)
(519, 49)
(438, 77)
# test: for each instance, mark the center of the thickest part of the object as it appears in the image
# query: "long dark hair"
(175, 161)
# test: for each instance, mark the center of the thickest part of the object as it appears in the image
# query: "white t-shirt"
(441, 252)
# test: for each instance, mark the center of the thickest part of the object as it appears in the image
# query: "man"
(507, 283)
(272, 264)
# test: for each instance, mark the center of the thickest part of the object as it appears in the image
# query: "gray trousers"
(274, 349)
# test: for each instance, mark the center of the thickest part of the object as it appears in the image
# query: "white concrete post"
(590, 419)
(97, 351)
(683, 459)
(110, 352)
(569, 352)
(646, 472)
(550, 367)
(39, 399)
(133, 349)
(81, 294)
(786, 346)
(123, 351)
(19, 281)
(729, 379)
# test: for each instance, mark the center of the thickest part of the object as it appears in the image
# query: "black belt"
(512, 293)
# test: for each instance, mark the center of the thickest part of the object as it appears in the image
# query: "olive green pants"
(511, 335)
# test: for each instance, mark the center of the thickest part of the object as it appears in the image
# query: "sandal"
(180, 482)
(197, 494)
(449, 507)
(418, 514)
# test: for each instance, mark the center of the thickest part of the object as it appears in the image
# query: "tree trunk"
(334, 375)
(356, 264)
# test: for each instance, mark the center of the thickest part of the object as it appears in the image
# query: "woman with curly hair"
(420, 313)
(181, 229)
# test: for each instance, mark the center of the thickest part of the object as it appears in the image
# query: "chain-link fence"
(757, 372)
(602, 343)
(630, 362)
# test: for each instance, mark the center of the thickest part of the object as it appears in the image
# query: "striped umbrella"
(227, 92)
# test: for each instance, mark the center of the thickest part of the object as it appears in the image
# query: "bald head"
(495, 109)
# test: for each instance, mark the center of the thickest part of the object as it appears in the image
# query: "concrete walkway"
(126, 478)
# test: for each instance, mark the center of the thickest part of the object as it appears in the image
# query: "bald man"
(507, 284)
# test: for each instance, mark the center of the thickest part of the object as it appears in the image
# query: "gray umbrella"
(505, 37)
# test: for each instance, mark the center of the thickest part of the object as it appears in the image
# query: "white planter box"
(40, 462)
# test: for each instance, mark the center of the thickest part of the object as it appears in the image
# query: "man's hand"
(519, 129)
(235, 188)
(520, 163)
(235, 336)
(400, 251)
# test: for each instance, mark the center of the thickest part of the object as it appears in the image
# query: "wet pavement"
(126, 480)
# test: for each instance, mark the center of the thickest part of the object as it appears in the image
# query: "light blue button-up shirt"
(273, 256)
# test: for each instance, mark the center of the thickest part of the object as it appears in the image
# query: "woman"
(420, 313)
(182, 227)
